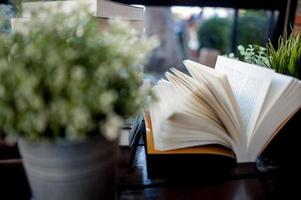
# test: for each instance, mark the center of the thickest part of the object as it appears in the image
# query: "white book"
(237, 105)
(103, 11)
(99, 8)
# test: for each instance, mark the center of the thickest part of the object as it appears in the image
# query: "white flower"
(111, 128)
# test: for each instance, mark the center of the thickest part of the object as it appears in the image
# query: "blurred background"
(200, 33)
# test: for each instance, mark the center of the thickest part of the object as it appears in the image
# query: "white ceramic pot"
(71, 170)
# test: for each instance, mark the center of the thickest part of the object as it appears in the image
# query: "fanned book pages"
(237, 105)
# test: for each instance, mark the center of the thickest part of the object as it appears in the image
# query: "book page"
(250, 84)
(200, 101)
(285, 106)
(190, 122)
(172, 112)
(224, 101)
(279, 85)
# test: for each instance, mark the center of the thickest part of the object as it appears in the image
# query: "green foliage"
(215, 33)
(252, 26)
(63, 78)
(287, 58)
(252, 54)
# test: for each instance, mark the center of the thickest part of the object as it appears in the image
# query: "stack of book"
(102, 10)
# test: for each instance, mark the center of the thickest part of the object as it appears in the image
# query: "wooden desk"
(245, 183)
(133, 183)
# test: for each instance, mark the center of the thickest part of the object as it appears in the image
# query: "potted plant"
(65, 90)
(285, 59)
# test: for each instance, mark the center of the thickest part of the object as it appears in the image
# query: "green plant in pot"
(65, 89)
(285, 59)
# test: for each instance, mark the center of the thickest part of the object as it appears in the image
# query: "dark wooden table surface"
(245, 182)
(134, 183)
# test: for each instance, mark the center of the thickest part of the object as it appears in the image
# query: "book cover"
(212, 160)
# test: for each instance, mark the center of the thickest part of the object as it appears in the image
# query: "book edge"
(278, 129)
(210, 149)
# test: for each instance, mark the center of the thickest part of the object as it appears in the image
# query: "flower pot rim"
(63, 141)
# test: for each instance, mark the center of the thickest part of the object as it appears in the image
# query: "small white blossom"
(111, 127)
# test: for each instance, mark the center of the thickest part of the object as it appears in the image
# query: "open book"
(237, 105)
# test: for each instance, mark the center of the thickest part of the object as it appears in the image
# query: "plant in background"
(286, 59)
(252, 27)
(252, 54)
(215, 33)
(63, 78)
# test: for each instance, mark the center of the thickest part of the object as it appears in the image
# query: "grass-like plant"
(63, 78)
(285, 59)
